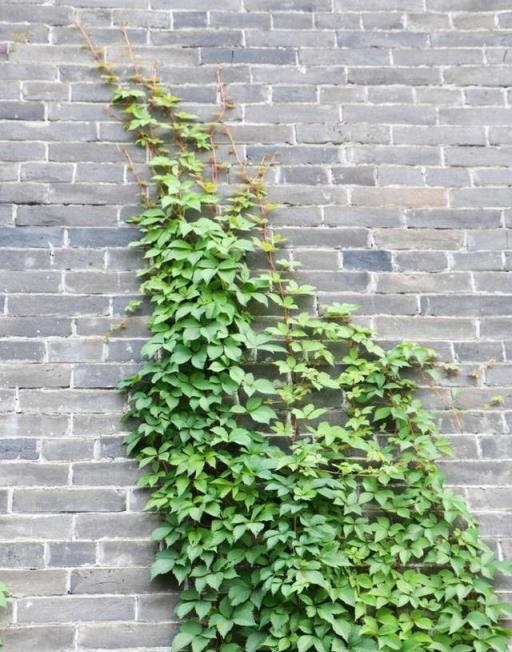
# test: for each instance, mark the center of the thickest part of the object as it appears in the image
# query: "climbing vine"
(293, 467)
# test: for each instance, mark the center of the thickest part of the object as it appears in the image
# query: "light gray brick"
(37, 582)
(415, 76)
(423, 282)
(416, 239)
(54, 450)
(127, 553)
(105, 526)
(120, 474)
(26, 425)
(425, 328)
(424, 261)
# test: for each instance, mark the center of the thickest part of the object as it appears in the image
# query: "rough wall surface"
(392, 124)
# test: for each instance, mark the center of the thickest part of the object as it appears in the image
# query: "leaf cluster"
(292, 464)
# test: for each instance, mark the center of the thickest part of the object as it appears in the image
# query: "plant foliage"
(292, 465)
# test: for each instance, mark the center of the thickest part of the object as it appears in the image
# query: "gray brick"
(190, 19)
(436, 135)
(67, 449)
(389, 114)
(75, 609)
(26, 425)
(67, 401)
(479, 351)
(477, 473)
(426, 328)
(73, 350)
(127, 553)
(358, 176)
(21, 350)
(18, 449)
(22, 555)
(30, 237)
(100, 237)
(111, 580)
(120, 474)
(332, 132)
(315, 237)
(104, 526)
(416, 239)
(71, 554)
(27, 305)
(125, 636)
(44, 90)
(7, 400)
(45, 638)
(287, 5)
(467, 305)
(371, 260)
(158, 608)
(46, 172)
(21, 527)
(454, 218)
(46, 15)
(274, 56)
(406, 197)
(467, 5)
(485, 497)
(68, 500)
(21, 111)
(17, 474)
(421, 282)
(415, 76)
(18, 71)
(35, 582)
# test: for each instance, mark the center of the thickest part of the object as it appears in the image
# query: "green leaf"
(263, 414)
(244, 615)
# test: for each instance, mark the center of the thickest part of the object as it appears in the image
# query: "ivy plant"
(292, 465)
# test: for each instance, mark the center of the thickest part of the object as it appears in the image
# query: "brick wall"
(392, 124)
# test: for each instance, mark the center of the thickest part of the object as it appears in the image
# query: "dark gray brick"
(367, 259)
